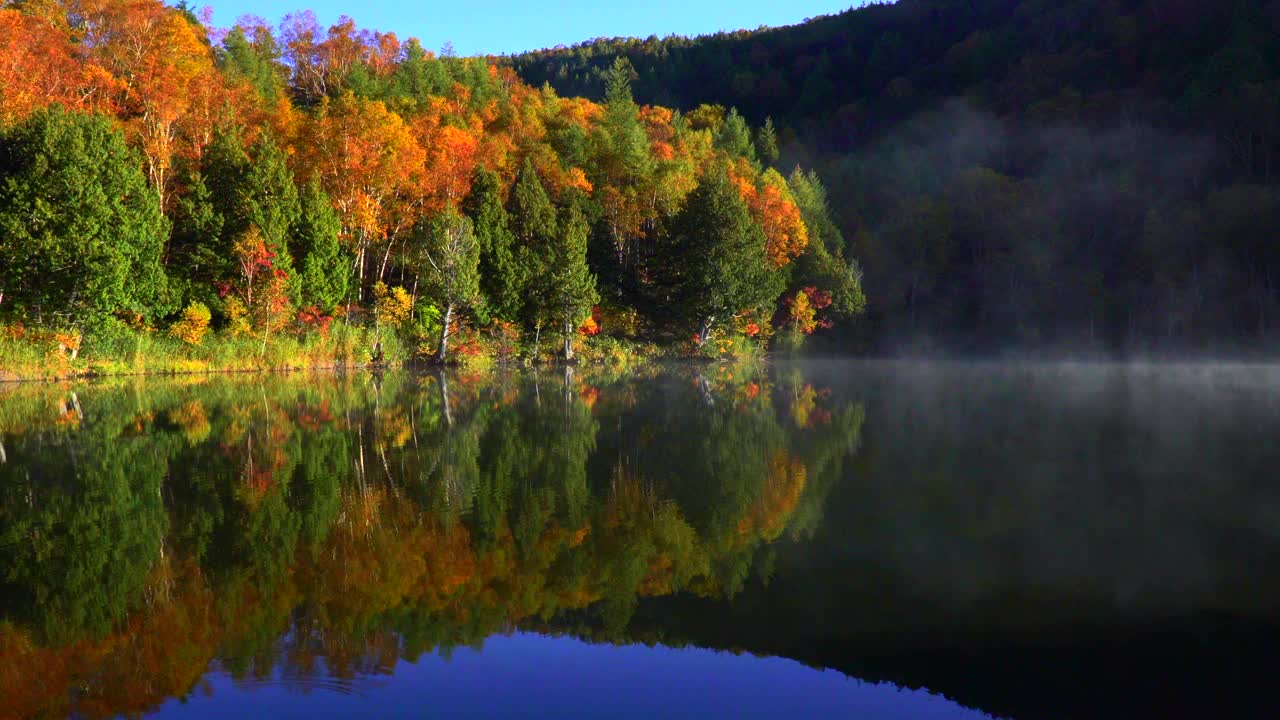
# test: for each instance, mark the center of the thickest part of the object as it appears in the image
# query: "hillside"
(268, 183)
(1047, 174)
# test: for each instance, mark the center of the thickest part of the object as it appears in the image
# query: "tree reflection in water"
(334, 525)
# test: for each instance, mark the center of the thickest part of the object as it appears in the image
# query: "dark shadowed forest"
(1038, 175)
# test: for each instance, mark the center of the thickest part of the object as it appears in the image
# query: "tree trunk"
(386, 257)
(567, 389)
(568, 341)
(704, 330)
(360, 273)
(444, 398)
(443, 354)
(705, 388)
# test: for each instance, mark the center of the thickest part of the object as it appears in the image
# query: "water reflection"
(333, 527)
(1034, 541)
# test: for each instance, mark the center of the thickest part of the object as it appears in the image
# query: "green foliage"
(569, 285)
(232, 192)
(533, 218)
(196, 243)
(418, 76)
(265, 197)
(767, 143)
(252, 53)
(734, 136)
(81, 234)
(718, 265)
(450, 264)
(326, 266)
(80, 538)
(822, 264)
(502, 278)
(534, 226)
(815, 210)
(622, 150)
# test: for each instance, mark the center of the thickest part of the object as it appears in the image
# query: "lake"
(803, 539)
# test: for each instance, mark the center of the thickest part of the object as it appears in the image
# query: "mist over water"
(1029, 540)
(1055, 233)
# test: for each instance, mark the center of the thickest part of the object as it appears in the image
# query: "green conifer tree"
(81, 234)
(502, 278)
(718, 259)
(326, 266)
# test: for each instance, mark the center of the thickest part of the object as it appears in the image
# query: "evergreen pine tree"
(570, 284)
(734, 136)
(718, 265)
(533, 222)
(80, 231)
(767, 143)
(502, 278)
(326, 266)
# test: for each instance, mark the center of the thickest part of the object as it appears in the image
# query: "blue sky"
(504, 26)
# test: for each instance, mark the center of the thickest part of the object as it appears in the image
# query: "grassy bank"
(28, 353)
(40, 354)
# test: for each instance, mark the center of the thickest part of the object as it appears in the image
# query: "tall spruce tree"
(326, 266)
(570, 285)
(734, 136)
(767, 143)
(80, 232)
(533, 222)
(502, 277)
(196, 246)
(267, 198)
(718, 264)
(231, 193)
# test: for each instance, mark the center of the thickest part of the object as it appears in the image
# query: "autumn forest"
(177, 197)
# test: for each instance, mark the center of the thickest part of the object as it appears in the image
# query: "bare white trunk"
(705, 330)
(444, 333)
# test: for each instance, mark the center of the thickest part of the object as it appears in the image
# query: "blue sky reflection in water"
(532, 675)
(1034, 542)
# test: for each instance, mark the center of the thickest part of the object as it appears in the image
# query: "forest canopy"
(1060, 175)
(262, 182)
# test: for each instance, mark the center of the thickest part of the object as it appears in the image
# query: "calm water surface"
(822, 539)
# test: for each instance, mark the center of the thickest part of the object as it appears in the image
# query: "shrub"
(193, 324)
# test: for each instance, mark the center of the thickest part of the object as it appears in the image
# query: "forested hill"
(846, 77)
(259, 184)
(1054, 174)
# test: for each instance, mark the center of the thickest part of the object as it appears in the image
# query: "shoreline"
(10, 379)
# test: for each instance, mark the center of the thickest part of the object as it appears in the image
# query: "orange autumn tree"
(166, 81)
(371, 166)
(676, 159)
(451, 156)
(40, 66)
(773, 207)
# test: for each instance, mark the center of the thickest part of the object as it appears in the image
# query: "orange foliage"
(157, 654)
(772, 206)
(778, 499)
(451, 158)
(39, 67)
(369, 163)
(166, 82)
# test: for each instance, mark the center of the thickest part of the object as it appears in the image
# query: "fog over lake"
(822, 538)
